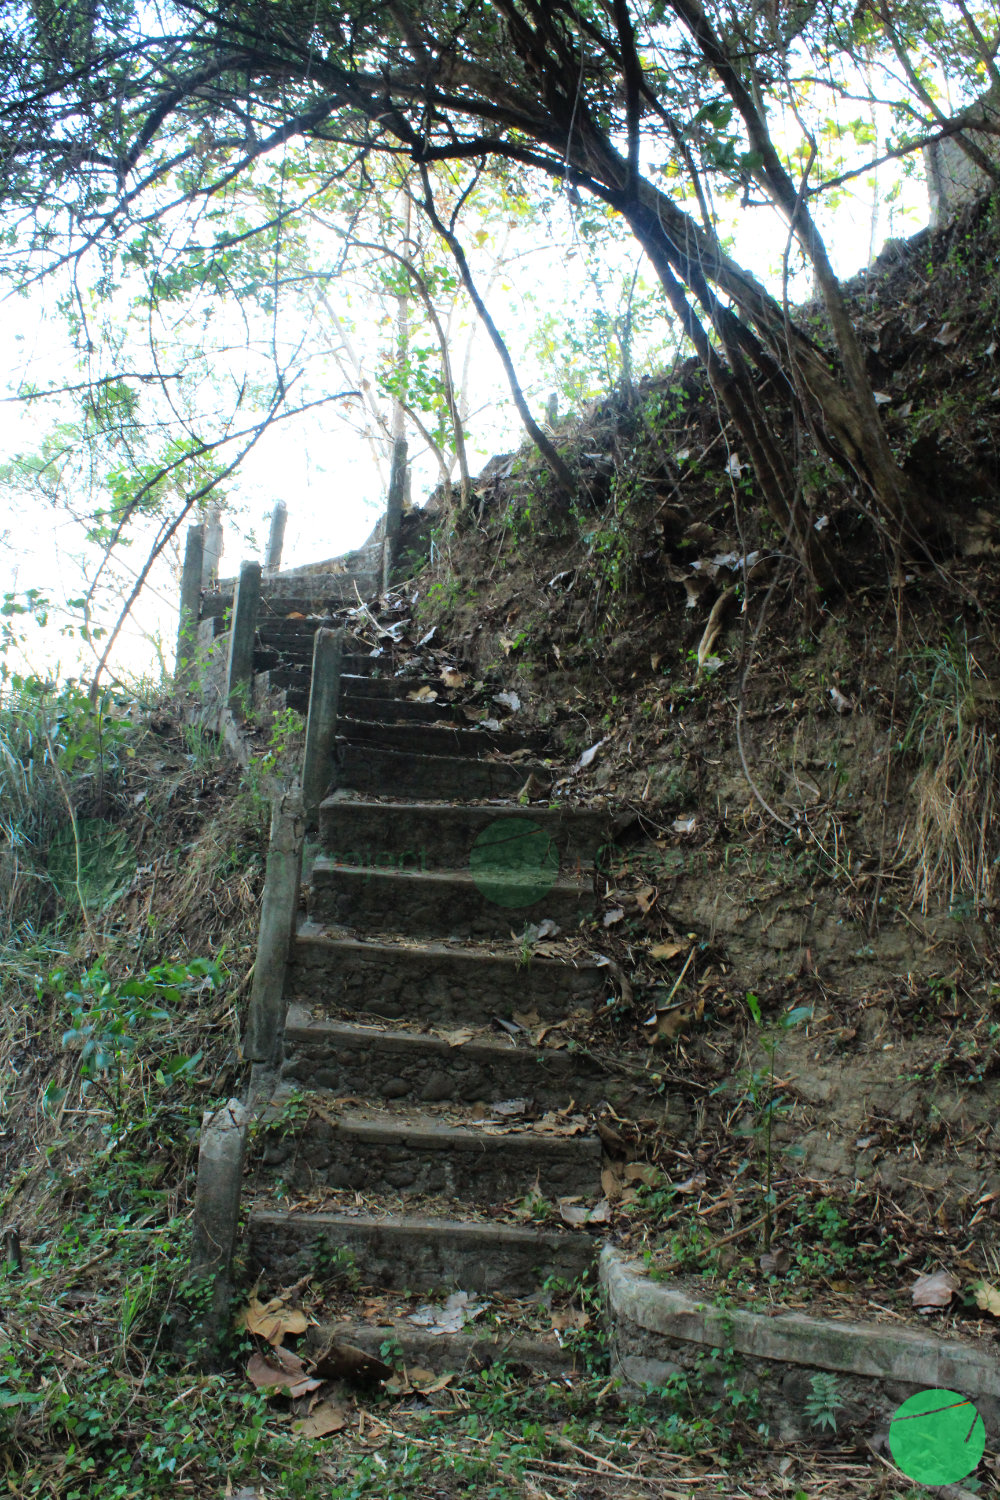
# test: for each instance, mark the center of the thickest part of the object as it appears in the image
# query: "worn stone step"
(438, 835)
(431, 903)
(389, 710)
(434, 982)
(416, 1253)
(447, 778)
(363, 686)
(414, 1068)
(431, 739)
(280, 598)
(278, 628)
(465, 1353)
(387, 1151)
(285, 675)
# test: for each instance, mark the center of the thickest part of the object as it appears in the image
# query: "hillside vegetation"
(799, 911)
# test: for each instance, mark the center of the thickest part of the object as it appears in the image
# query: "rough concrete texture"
(433, 739)
(364, 685)
(430, 903)
(657, 1332)
(465, 1352)
(438, 836)
(380, 773)
(395, 1154)
(433, 983)
(217, 1196)
(386, 709)
(953, 177)
(421, 1254)
(351, 1059)
(275, 930)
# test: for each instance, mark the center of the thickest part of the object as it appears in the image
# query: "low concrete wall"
(658, 1332)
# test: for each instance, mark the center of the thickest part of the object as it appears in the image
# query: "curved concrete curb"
(658, 1332)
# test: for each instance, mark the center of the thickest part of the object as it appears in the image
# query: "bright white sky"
(318, 464)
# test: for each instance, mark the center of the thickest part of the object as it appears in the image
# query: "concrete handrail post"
(239, 668)
(276, 537)
(393, 511)
(321, 723)
(276, 930)
(213, 547)
(221, 1154)
(187, 629)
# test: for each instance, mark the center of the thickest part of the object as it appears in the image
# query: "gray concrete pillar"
(221, 1153)
(239, 669)
(276, 537)
(321, 723)
(393, 511)
(276, 930)
(213, 547)
(187, 629)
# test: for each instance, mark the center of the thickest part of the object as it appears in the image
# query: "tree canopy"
(117, 115)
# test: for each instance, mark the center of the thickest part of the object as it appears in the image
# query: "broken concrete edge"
(876, 1351)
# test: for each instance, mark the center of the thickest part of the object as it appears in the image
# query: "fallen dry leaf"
(422, 695)
(614, 915)
(570, 1317)
(326, 1417)
(668, 950)
(934, 1291)
(556, 1124)
(340, 1361)
(988, 1298)
(665, 1025)
(272, 1320)
(588, 757)
(641, 1171)
(612, 1184)
(281, 1370)
(459, 1309)
(457, 1038)
(510, 1108)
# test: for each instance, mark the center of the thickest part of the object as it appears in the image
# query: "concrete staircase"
(410, 1125)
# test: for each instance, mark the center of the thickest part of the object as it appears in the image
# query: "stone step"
(431, 739)
(417, 1253)
(465, 1353)
(388, 1151)
(276, 629)
(413, 1068)
(363, 686)
(433, 982)
(388, 710)
(446, 778)
(313, 596)
(430, 903)
(438, 835)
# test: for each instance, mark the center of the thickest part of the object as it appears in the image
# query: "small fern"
(822, 1405)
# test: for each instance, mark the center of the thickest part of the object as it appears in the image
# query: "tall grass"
(952, 836)
(59, 756)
